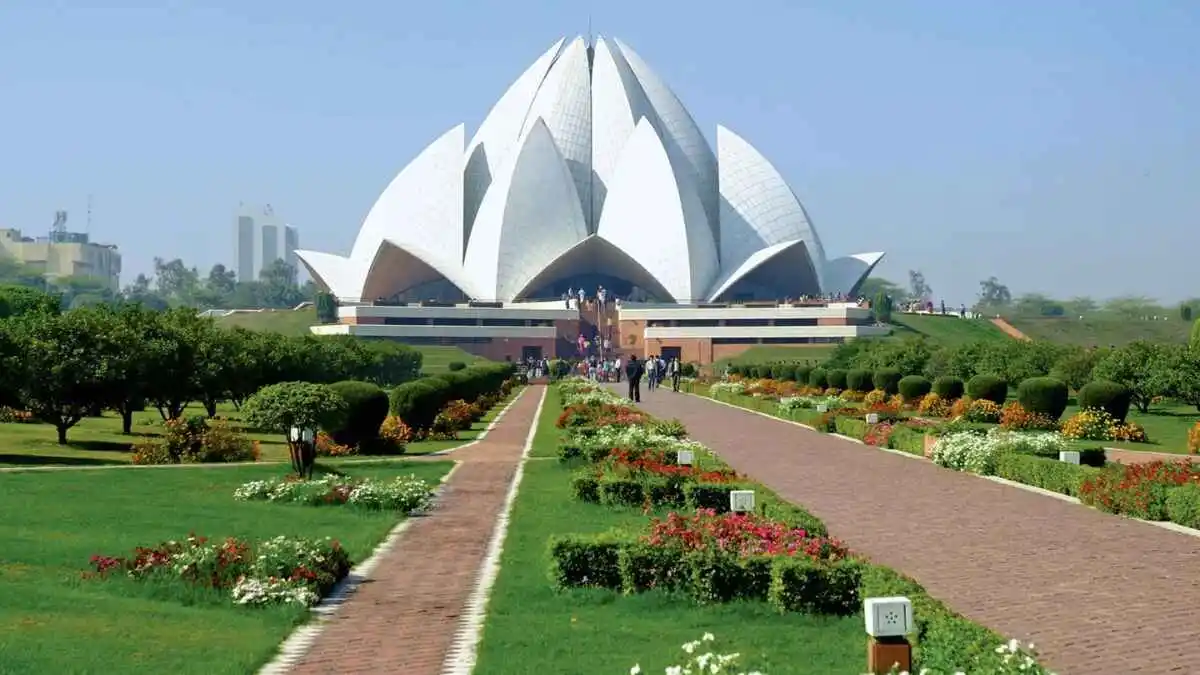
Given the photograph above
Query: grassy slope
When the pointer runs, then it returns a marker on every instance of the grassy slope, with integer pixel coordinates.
(98, 440)
(1102, 332)
(946, 330)
(532, 629)
(52, 621)
(292, 322)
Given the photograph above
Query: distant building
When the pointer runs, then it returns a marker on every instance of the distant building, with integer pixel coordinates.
(64, 254)
(261, 238)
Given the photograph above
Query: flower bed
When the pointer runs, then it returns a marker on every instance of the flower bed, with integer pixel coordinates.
(1093, 424)
(652, 478)
(979, 453)
(1139, 490)
(781, 554)
(405, 494)
(282, 570)
(196, 440)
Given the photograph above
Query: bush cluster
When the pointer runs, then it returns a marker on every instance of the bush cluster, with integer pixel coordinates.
(419, 402)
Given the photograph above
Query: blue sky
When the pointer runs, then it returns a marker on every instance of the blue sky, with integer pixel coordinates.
(1053, 144)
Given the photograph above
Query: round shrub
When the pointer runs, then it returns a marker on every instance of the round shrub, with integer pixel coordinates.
(858, 379)
(366, 408)
(949, 388)
(456, 365)
(913, 388)
(818, 377)
(1044, 395)
(1108, 396)
(802, 373)
(417, 403)
(988, 387)
(782, 371)
(887, 380)
(836, 378)
(688, 370)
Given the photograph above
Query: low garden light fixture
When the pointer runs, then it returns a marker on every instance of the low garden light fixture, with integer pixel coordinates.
(301, 443)
(889, 621)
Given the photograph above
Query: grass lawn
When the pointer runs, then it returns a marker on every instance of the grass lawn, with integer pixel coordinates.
(1102, 332)
(52, 621)
(532, 629)
(764, 353)
(949, 330)
(99, 441)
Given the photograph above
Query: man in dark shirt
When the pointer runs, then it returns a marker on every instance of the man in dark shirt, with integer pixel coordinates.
(633, 373)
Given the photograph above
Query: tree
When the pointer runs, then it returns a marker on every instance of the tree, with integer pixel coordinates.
(63, 365)
(296, 405)
(174, 281)
(1036, 304)
(917, 286)
(171, 351)
(17, 300)
(1075, 368)
(1185, 312)
(882, 306)
(278, 285)
(220, 280)
(1134, 307)
(993, 294)
(1143, 367)
(1186, 376)
(872, 286)
(326, 308)
(1194, 340)
(1078, 306)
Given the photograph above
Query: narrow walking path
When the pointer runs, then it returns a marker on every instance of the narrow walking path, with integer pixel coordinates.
(1011, 330)
(404, 618)
(1097, 593)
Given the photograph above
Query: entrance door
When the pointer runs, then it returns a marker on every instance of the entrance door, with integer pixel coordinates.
(669, 353)
(534, 353)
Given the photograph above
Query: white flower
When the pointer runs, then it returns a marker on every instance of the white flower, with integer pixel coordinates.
(635, 670)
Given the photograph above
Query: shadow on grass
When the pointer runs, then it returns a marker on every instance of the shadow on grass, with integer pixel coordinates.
(101, 446)
(45, 460)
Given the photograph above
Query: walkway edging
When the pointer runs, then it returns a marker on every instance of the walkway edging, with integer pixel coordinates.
(1164, 524)
(464, 650)
(297, 645)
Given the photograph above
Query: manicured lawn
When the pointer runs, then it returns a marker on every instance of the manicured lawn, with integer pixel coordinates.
(53, 621)
(98, 440)
(1102, 332)
(532, 629)
(946, 330)
(765, 353)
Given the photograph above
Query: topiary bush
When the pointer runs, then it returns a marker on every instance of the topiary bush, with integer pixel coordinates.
(818, 377)
(366, 408)
(836, 378)
(419, 402)
(887, 380)
(1108, 396)
(802, 373)
(988, 387)
(456, 365)
(949, 388)
(784, 372)
(1044, 396)
(858, 379)
(913, 388)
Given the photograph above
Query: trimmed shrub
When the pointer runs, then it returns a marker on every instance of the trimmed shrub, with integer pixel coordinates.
(580, 560)
(644, 567)
(716, 576)
(761, 372)
(988, 387)
(1044, 396)
(366, 407)
(622, 492)
(802, 373)
(784, 372)
(913, 388)
(858, 379)
(836, 378)
(818, 377)
(1108, 396)
(456, 365)
(419, 402)
(1183, 505)
(713, 496)
(1043, 472)
(949, 388)
(799, 584)
(887, 380)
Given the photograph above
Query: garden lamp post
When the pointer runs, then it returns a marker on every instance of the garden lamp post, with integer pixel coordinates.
(303, 450)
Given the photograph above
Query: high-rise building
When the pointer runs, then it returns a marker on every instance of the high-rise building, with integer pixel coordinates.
(261, 238)
(63, 253)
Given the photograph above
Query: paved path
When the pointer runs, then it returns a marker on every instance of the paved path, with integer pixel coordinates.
(404, 618)
(1096, 593)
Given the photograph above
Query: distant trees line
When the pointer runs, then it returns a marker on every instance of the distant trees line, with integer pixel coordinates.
(62, 366)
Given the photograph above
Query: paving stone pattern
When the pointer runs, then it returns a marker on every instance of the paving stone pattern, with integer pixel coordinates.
(1097, 593)
(404, 618)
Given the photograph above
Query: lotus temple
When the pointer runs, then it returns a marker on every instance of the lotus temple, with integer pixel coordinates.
(590, 173)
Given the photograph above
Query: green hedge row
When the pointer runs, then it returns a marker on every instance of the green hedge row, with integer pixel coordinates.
(418, 402)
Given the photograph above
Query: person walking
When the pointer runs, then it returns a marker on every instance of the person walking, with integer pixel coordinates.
(675, 371)
(617, 367)
(633, 373)
(649, 367)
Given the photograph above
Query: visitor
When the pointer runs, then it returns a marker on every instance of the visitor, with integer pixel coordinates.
(633, 373)
(674, 370)
(566, 298)
(582, 297)
(617, 367)
(651, 374)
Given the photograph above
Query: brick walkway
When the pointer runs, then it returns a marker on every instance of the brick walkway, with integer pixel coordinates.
(1096, 593)
(404, 618)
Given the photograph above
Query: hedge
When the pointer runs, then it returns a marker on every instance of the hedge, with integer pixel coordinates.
(836, 378)
(366, 407)
(1044, 395)
(913, 388)
(418, 402)
(1045, 473)
(888, 380)
(818, 377)
(949, 388)
(858, 379)
(1108, 396)
(988, 387)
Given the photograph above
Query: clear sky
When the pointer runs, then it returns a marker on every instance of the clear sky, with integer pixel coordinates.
(1054, 144)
